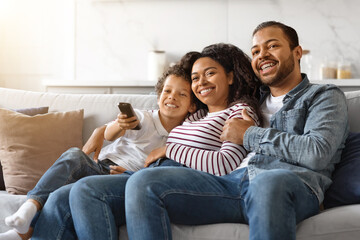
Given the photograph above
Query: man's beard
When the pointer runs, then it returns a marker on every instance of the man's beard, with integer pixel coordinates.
(288, 67)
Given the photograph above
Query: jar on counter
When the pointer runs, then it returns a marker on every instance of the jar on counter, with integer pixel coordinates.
(343, 70)
(156, 64)
(328, 70)
(306, 63)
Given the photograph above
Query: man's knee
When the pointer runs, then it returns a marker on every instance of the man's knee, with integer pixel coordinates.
(273, 185)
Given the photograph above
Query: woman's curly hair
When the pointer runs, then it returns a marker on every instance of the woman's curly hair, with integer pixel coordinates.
(245, 87)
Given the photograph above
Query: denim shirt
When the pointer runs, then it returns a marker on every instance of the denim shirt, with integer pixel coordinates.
(306, 135)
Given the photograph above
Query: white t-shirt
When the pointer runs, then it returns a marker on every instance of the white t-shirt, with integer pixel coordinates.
(131, 150)
(268, 108)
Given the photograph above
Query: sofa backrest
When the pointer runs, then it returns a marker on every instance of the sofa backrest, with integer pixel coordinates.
(102, 108)
(353, 102)
(98, 108)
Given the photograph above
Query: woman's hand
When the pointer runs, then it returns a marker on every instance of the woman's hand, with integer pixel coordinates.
(116, 170)
(95, 142)
(155, 155)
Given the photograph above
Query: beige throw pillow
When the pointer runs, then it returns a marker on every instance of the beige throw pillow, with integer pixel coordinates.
(29, 145)
(30, 112)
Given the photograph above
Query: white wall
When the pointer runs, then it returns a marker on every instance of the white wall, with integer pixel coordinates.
(36, 42)
(108, 40)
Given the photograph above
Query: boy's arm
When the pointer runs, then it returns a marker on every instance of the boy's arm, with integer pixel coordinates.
(95, 142)
(118, 127)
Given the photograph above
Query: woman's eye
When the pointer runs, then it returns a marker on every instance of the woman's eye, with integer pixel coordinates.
(210, 73)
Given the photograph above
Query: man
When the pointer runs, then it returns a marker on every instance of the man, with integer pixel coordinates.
(283, 179)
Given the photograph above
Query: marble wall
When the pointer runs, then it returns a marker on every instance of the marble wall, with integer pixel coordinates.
(114, 37)
(109, 40)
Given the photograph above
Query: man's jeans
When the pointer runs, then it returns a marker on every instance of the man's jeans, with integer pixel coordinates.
(272, 204)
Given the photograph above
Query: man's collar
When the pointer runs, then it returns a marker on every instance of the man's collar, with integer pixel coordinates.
(265, 90)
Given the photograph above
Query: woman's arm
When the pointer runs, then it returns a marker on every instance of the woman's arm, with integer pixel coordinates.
(217, 162)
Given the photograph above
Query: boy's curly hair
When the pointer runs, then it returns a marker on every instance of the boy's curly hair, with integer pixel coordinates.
(179, 71)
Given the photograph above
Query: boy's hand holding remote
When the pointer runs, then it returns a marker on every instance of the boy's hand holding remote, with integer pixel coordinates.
(125, 123)
(118, 127)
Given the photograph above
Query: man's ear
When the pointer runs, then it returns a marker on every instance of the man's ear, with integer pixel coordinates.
(230, 77)
(298, 52)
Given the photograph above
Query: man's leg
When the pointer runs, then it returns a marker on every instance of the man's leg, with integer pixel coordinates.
(155, 197)
(55, 221)
(276, 201)
(98, 206)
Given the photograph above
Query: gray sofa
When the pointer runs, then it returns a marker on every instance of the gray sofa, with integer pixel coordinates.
(336, 223)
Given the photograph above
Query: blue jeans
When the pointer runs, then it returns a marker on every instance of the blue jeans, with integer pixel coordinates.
(91, 208)
(272, 204)
(71, 166)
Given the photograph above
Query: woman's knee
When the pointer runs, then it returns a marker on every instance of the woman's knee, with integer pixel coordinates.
(59, 197)
(148, 183)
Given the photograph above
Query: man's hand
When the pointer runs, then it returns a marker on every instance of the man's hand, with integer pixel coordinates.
(235, 128)
(155, 155)
(95, 142)
(116, 170)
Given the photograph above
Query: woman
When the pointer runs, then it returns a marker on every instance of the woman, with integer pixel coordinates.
(222, 79)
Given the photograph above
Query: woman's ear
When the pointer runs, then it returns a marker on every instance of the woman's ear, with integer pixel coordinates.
(230, 77)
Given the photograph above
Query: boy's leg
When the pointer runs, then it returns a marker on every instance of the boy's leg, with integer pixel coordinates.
(71, 166)
(276, 201)
(98, 207)
(55, 219)
(157, 196)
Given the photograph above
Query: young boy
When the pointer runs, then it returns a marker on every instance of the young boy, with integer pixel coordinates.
(127, 152)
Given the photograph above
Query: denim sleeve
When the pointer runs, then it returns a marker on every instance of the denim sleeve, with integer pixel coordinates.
(312, 143)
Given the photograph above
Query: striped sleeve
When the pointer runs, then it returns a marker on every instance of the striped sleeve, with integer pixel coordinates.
(198, 146)
(218, 163)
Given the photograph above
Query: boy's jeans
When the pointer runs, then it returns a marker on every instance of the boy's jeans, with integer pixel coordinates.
(71, 166)
(91, 208)
(272, 204)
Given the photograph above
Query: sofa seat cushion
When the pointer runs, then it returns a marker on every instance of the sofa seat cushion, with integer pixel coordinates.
(332, 224)
(9, 204)
(29, 145)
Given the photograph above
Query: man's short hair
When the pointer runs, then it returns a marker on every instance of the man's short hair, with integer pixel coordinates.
(289, 32)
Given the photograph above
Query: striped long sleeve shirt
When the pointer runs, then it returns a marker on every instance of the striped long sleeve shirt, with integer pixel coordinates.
(196, 143)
